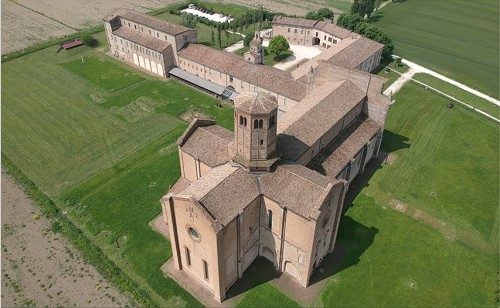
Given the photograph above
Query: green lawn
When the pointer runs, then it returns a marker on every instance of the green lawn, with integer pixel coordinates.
(459, 39)
(460, 94)
(54, 128)
(386, 70)
(102, 146)
(446, 164)
(269, 58)
(394, 261)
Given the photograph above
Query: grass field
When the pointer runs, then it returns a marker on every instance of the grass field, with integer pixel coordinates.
(76, 135)
(459, 38)
(386, 70)
(446, 164)
(460, 94)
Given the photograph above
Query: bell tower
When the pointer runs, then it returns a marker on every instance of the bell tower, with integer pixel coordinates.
(256, 52)
(255, 116)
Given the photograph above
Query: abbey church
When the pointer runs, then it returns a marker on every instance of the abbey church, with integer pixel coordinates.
(275, 185)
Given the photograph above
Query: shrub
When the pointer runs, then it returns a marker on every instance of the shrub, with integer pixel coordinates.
(89, 40)
(278, 45)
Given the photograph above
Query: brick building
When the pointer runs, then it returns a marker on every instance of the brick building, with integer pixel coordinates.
(275, 186)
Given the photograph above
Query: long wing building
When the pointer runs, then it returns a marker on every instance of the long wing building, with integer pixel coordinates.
(275, 186)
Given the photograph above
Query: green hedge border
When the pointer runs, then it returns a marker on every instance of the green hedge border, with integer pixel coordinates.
(91, 252)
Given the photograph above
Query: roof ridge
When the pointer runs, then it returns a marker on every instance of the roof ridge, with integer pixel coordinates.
(218, 184)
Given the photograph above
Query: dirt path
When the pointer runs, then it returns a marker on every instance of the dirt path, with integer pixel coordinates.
(415, 68)
(40, 267)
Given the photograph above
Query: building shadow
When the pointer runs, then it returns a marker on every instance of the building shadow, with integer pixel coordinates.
(260, 271)
(393, 141)
(353, 240)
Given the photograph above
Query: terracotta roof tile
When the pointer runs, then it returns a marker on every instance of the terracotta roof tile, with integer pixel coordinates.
(266, 77)
(141, 39)
(337, 155)
(148, 21)
(209, 144)
(299, 189)
(317, 119)
(255, 103)
(325, 26)
(224, 191)
(352, 55)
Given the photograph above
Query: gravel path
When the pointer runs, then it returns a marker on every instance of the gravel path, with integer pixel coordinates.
(40, 267)
(420, 69)
(415, 68)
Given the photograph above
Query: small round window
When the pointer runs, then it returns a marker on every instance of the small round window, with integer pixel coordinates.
(193, 234)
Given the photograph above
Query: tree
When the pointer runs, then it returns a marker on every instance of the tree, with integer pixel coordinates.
(278, 45)
(363, 7)
(325, 13)
(355, 22)
(349, 21)
(355, 7)
(213, 38)
(89, 40)
(248, 38)
(188, 20)
(321, 14)
(219, 36)
(369, 6)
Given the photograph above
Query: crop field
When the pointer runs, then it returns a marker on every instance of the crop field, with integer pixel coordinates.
(98, 137)
(458, 39)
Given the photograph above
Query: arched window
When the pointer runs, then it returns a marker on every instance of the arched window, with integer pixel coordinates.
(261, 143)
(241, 120)
(270, 219)
(256, 124)
(261, 124)
(245, 121)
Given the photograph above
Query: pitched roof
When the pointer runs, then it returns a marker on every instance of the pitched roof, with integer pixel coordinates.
(265, 77)
(255, 103)
(335, 157)
(179, 186)
(294, 21)
(148, 21)
(224, 191)
(297, 188)
(352, 55)
(141, 39)
(209, 144)
(325, 72)
(325, 26)
(304, 126)
(335, 30)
